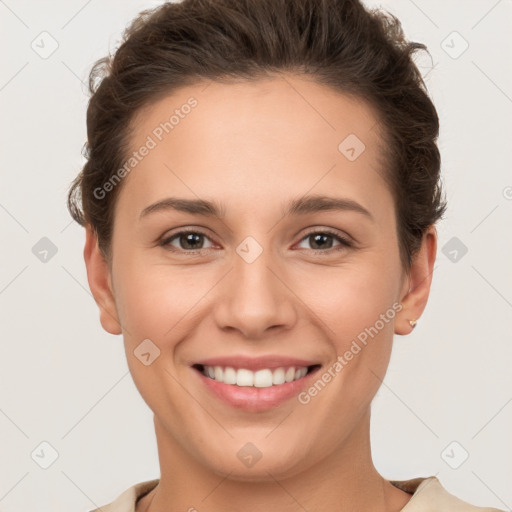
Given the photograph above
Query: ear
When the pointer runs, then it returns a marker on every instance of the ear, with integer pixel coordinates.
(416, 287)
(100, 282)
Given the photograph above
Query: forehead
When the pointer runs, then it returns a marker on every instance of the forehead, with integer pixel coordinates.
(298, 106)
(256, 138)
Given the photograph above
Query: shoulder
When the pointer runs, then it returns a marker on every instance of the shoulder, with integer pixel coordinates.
(126, 501)
(429, 495)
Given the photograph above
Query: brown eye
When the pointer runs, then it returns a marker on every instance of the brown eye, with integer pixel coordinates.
(325, 241)
(186, 241)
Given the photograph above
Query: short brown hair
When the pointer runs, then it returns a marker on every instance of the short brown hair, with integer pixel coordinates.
(339, 43)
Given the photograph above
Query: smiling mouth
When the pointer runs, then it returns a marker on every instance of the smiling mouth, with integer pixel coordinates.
(263, 378)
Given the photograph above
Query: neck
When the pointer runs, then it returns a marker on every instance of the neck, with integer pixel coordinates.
(345, 480)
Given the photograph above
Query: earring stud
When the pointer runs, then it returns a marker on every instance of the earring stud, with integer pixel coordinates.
(413, 323)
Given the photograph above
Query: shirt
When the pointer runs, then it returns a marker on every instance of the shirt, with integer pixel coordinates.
(428, 495)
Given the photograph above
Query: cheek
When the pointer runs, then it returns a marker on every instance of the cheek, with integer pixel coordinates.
(159, 304)
(350, 300)
(156, 301)
(357, 307)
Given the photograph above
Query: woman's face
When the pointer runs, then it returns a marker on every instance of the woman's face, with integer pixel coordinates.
(271, 280)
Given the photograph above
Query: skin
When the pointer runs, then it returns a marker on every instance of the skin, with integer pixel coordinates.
(253, 147)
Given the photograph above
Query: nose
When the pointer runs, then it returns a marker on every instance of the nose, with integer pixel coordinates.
(254, 299)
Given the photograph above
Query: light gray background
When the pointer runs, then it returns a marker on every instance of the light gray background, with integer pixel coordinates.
(65, 381)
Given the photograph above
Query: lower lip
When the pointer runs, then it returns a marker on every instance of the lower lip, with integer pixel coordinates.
(254, 399)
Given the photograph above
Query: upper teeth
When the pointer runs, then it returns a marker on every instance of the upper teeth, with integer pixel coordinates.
(259, 379)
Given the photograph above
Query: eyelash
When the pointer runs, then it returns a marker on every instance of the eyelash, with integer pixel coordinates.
(344, 242)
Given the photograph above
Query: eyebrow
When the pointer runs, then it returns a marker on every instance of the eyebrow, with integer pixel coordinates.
(299, 206)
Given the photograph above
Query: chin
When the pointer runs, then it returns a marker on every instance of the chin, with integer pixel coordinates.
(266, 469)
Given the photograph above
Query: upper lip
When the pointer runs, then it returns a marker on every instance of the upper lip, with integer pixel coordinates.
(256, 363)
